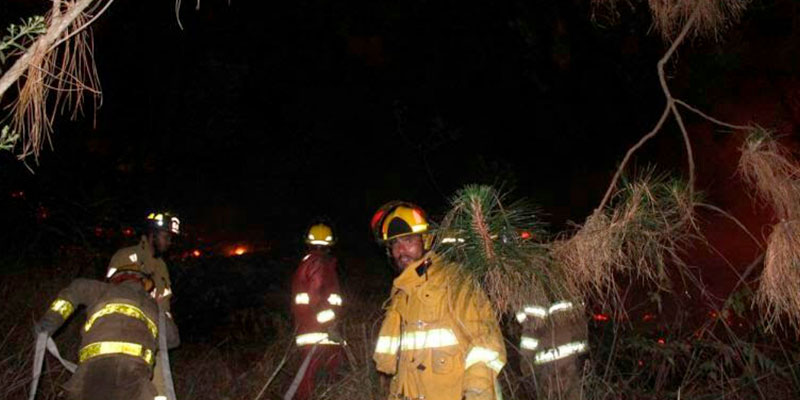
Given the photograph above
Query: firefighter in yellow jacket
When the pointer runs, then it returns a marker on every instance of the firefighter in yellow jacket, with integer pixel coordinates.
(148, 256)
(149, 253)
(439, 337)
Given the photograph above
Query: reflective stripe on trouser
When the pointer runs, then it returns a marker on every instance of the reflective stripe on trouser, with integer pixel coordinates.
(311, 338)
(105, 348)
(123, 309)
(560, 352)
(558, 372)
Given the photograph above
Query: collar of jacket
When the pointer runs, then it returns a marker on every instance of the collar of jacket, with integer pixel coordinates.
(315, 251)
(410, 278)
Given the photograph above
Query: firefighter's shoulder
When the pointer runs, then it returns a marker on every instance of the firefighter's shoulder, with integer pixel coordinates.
(126, 256)
(317, 257)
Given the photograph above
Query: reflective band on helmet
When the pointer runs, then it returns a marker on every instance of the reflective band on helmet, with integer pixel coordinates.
(563, 351)
(430, 339)
(528, 343)
(313, 338)
(483, 355)
(325, 316)
(102, 348)
(124, 309)
(302, 298)
(63, 307)
(419, 228)
(320, 242)
(334, 299)
(388, 345)
(175, 225)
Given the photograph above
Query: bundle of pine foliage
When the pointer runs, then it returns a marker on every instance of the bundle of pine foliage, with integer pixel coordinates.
(500, 244)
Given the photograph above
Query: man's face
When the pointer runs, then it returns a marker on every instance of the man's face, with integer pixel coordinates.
(405, 250)
(162, 240)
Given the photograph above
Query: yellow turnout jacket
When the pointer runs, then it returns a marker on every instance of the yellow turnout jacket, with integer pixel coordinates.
(439, 337)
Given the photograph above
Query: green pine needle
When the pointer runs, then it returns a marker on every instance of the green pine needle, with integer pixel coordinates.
(497, 243)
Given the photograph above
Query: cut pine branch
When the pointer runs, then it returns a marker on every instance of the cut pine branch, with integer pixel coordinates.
(497, 243)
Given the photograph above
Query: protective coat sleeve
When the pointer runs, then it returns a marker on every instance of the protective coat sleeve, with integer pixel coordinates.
(486, 354)
(79, 292)
(388, 344)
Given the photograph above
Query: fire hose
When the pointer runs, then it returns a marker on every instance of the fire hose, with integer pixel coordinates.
(44, 341)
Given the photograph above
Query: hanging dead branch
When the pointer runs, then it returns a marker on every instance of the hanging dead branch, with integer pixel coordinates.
(770, 169)
(670, 16)
(671, 107)
(639, 235)
(61, 61)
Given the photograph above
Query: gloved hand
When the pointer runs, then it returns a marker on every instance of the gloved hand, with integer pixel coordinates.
(45, 325)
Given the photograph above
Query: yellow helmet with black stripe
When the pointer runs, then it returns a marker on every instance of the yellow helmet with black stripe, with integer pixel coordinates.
(397, 219)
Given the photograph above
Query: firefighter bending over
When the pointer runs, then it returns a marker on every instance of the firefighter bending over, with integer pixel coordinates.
(119, 338)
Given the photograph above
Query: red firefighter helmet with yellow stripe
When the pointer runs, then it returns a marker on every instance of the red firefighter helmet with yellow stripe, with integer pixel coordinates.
(399, 218)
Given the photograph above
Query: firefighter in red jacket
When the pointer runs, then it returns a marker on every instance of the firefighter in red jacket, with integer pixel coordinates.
(316, 303)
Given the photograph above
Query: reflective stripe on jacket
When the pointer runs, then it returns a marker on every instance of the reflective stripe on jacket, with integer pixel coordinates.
(115, 313)
(316, 299)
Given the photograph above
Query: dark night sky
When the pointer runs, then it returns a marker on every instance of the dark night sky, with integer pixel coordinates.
(261, 115)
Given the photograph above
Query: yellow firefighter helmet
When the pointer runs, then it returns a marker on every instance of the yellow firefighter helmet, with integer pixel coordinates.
(320, 234)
